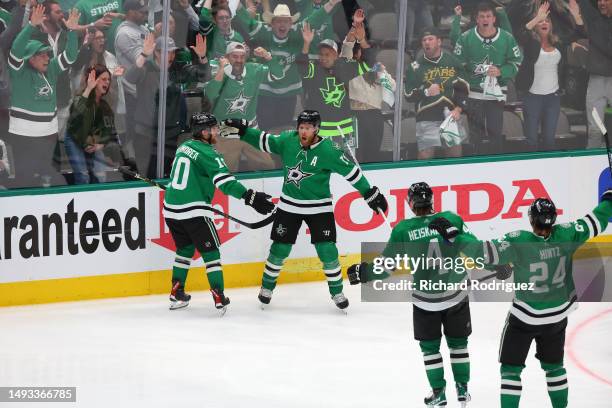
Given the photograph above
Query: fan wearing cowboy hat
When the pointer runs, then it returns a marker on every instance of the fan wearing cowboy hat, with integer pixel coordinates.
(281, 34)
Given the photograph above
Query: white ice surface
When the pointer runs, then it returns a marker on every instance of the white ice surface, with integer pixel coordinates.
(299, 352)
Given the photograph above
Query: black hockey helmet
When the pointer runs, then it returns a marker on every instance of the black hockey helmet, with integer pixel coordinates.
(542, 213)
(201, 121)
(420, 195)
(309, 116)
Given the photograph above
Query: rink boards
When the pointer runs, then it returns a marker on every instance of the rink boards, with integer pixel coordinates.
(74, 243)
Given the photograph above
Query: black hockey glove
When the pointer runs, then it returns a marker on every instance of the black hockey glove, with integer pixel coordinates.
(259, 201)
(233, 127)
(357, 273)
(607, 195)
(502, 272)
(444, 228)
(376, 200)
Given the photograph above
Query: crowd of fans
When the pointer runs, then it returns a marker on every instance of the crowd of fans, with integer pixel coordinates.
(80, 80)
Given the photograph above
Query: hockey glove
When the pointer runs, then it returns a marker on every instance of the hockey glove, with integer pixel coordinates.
(259, 201)
(444, 228)
(502, 272)
(607, 195)
(376, 200)
(233, 127)
(357, 273)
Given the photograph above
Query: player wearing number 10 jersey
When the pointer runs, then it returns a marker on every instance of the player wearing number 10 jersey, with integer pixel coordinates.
(542, 257)
(196, 171)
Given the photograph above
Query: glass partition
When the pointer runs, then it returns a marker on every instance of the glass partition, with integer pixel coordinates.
(511, 79)
(404, 80)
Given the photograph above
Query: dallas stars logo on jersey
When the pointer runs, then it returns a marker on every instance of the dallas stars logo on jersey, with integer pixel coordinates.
(238, 104)
(334, 94)
(482, 68)
(295, 175)
(44, 92)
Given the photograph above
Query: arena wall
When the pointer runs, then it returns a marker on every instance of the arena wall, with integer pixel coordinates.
(87, 242)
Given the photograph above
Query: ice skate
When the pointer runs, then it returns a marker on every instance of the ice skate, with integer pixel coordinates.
(436, 399)
(463, 396)
(178, 298)
(221, 301)
(341, 302)
(265, 296)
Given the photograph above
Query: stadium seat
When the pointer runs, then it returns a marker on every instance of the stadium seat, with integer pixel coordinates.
(514, 137)
(384, 28)
(388, 57)
(408, 139)
(565, 139)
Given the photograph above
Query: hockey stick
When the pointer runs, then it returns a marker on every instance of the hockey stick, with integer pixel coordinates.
(381, 212)
(487, 277)
(252, 225)
(604, 132)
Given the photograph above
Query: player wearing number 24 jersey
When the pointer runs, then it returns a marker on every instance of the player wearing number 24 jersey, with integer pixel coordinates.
(196, 171)
(542, 257)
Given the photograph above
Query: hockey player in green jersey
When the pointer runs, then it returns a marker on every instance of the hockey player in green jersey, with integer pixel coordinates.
(308, 162)
(432, 309)
(196, 171)
(541, 257)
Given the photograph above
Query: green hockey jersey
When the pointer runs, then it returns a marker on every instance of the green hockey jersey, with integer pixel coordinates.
(216, 42)
(237, 97)
(286, 50)
(307, 171)
(445, 71)
(545, 263)
(478, 54)
(33, 110)
(197, 169)
(438, 261)
(93, 10)
(502, 22)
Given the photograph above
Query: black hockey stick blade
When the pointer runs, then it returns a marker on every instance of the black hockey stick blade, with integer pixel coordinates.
(129, 172)
(251, 225)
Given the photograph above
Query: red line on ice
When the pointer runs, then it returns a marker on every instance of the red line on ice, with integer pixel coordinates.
(572, 355)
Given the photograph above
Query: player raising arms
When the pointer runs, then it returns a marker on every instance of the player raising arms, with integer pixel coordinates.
(308, 160)
(196, 171)
(542, 256)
